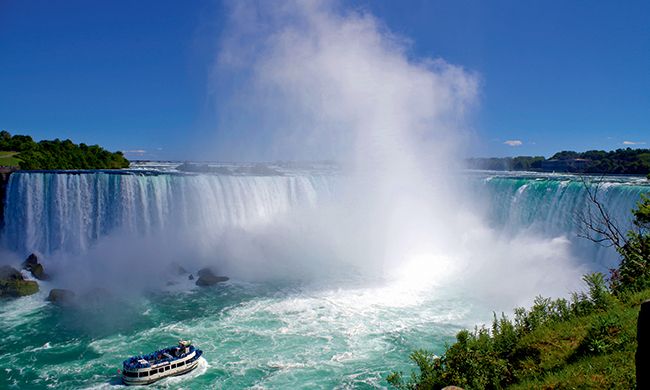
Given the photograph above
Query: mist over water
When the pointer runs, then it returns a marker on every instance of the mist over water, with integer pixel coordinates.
(336, 275)
(335, 83)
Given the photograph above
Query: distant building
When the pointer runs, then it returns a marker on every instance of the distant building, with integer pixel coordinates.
(567, 165)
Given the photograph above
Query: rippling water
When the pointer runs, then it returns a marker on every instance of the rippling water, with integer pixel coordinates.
(325, 333)
(252, 335)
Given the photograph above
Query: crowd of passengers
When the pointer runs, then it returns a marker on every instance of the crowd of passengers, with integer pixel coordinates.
(157, 357)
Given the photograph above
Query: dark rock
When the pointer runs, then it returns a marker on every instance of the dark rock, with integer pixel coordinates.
(10, 273)
(191, 277)
(38, 272)
(61, 296)
(32, 265)
(208, 278)
(643, 347)
(12, 283)
(30, 261)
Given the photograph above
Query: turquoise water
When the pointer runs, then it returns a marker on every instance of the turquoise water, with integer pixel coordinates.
(260, 336)
(323, 331)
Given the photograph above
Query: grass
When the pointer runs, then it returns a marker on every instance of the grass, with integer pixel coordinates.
(587, 349)
(565, 365)
(8, 159)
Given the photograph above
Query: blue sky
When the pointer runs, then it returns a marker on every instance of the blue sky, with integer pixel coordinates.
(554, 75)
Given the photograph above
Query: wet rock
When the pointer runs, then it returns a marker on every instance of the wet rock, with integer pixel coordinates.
(61, 296)
(30, 261)
(32, 265)
(12, 283)
(208, 278)
(10, 273)
(191, 277)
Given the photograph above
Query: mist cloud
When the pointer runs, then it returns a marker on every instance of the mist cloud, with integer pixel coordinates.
(316, 81)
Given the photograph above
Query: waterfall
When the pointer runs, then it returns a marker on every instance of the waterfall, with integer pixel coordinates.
(48, 212)
(551, 205)
(67, 212)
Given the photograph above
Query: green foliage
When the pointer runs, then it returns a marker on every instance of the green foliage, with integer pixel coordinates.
(17, 288)
(586, 342)
(8, 159)
(633, 274)
(604, 336)
(505, 354)
(59, 154)
(621, 161)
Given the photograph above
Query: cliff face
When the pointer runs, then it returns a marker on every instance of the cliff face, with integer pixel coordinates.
(4, 181)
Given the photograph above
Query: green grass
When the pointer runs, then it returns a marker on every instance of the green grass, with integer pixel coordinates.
(8, 159)
(564, 365)
(592, 350)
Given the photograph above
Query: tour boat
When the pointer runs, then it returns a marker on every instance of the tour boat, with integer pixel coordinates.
(172, 361)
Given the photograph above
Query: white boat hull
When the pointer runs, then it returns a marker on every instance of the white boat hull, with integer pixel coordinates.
(148, 375)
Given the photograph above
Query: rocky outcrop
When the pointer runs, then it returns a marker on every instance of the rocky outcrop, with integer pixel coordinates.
(643, 347)
(208, 278)
(32, 265)
(12, 283)
(5, 172)
(61, 296)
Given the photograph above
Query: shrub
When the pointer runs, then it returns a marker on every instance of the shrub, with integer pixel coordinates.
(604, 335)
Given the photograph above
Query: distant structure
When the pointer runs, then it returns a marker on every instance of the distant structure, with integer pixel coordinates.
(565, 165)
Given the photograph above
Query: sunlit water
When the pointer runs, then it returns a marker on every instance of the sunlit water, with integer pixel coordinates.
(347, 333)
(265, 336)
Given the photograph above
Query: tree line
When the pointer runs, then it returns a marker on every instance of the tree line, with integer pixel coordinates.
(620, 161)
(57, 154)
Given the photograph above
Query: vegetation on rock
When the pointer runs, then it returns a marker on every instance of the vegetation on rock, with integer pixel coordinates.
(23, 151)
(12, 283)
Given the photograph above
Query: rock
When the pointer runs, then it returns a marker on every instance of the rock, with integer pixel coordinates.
(32, 265)
(61, 296)
(38, 272)
(642, 356)
(30, 261)
(208, 278)
(12, 283)
(191, 277)
(10, 273)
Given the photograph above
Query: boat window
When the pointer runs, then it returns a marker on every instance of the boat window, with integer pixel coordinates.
(130, 374)
(167, 368)
(144, 373)
(181, 363)
(173, 366)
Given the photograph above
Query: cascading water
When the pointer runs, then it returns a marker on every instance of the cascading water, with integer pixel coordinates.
(50, 212)
(551, 205)
(68, 212)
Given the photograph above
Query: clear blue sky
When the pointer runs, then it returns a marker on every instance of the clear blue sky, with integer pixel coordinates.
(133, 75)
